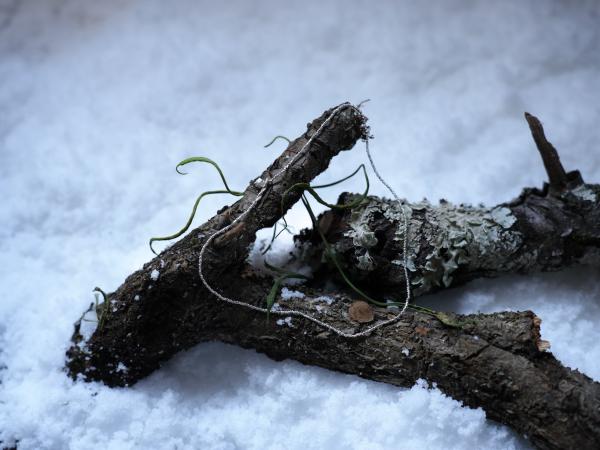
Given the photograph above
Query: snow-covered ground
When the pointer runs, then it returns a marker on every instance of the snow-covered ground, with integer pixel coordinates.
(99, 100)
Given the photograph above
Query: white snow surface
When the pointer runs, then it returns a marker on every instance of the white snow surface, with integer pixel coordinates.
(100, 100)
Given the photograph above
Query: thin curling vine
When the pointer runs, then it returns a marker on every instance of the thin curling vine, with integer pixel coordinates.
(227, 190)
(278, 137)
(304, 187)
(330, 253)
(283, 275)
(274, 237)
(101, 309)
(312, 190)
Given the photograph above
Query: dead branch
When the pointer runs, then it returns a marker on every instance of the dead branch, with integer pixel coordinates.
(495, 361)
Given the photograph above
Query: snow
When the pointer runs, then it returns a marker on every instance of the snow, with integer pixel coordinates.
(287, 321)
(286, 294)
(325, 298)
(154, 274)
(100, 100)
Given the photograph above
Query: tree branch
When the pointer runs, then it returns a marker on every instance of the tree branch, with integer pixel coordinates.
(495, 361)
(557, 176)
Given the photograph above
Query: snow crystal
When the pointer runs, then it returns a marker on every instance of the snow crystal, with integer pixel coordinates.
(287, 294)
(287, 321)
(154, 274)
(325, 298)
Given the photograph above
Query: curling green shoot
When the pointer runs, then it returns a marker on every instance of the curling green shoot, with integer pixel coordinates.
(277, 283)
(278, 137)
(227, 190)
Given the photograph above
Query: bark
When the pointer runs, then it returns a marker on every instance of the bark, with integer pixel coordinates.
(495, 361)
(448, 245)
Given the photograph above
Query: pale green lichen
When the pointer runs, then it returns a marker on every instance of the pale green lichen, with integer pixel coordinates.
(361, 234)
(503, 216)
(584, 193)
(363, 238)
(365, 262)
(398, 213)
(452, 237)
(475, 238)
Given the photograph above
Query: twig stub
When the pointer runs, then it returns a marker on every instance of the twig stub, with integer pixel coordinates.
(557, 176)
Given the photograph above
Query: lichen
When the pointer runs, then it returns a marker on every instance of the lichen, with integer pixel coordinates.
(503, 216)
(365, 262)
(398, 213)
(466, 236)
(363, 238)
(361, 234)
(441, 239)
(584, 193)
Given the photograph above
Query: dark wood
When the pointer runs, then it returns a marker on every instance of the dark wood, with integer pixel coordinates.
(495, 361)
(556, 173)
(142, 333)
(541, 230)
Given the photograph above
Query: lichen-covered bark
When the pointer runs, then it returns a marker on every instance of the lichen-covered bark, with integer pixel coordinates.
(452, 244)
(495, 361)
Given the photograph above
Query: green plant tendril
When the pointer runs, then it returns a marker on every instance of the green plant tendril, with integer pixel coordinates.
(227, 190)
(283, 275)
(330, 253)
(191, 218)
(275, 236)
(311, 189)
(278, 137)
(208, 161)
(103, 307)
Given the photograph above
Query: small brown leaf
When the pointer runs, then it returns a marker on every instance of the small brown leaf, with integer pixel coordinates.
(361, 312)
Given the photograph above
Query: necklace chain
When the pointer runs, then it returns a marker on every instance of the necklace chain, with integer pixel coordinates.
(293, 312)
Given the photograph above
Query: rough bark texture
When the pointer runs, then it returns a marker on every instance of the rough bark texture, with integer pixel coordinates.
(495, 361)
(150, 320)
(449, 245)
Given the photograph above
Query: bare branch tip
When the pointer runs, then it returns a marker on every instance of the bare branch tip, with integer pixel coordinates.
(557, 175)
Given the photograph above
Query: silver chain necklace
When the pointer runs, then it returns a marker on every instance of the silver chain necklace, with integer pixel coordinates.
(293, 312)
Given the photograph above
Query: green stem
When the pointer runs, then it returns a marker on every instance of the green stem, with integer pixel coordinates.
(189, 222)
(278, 137)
